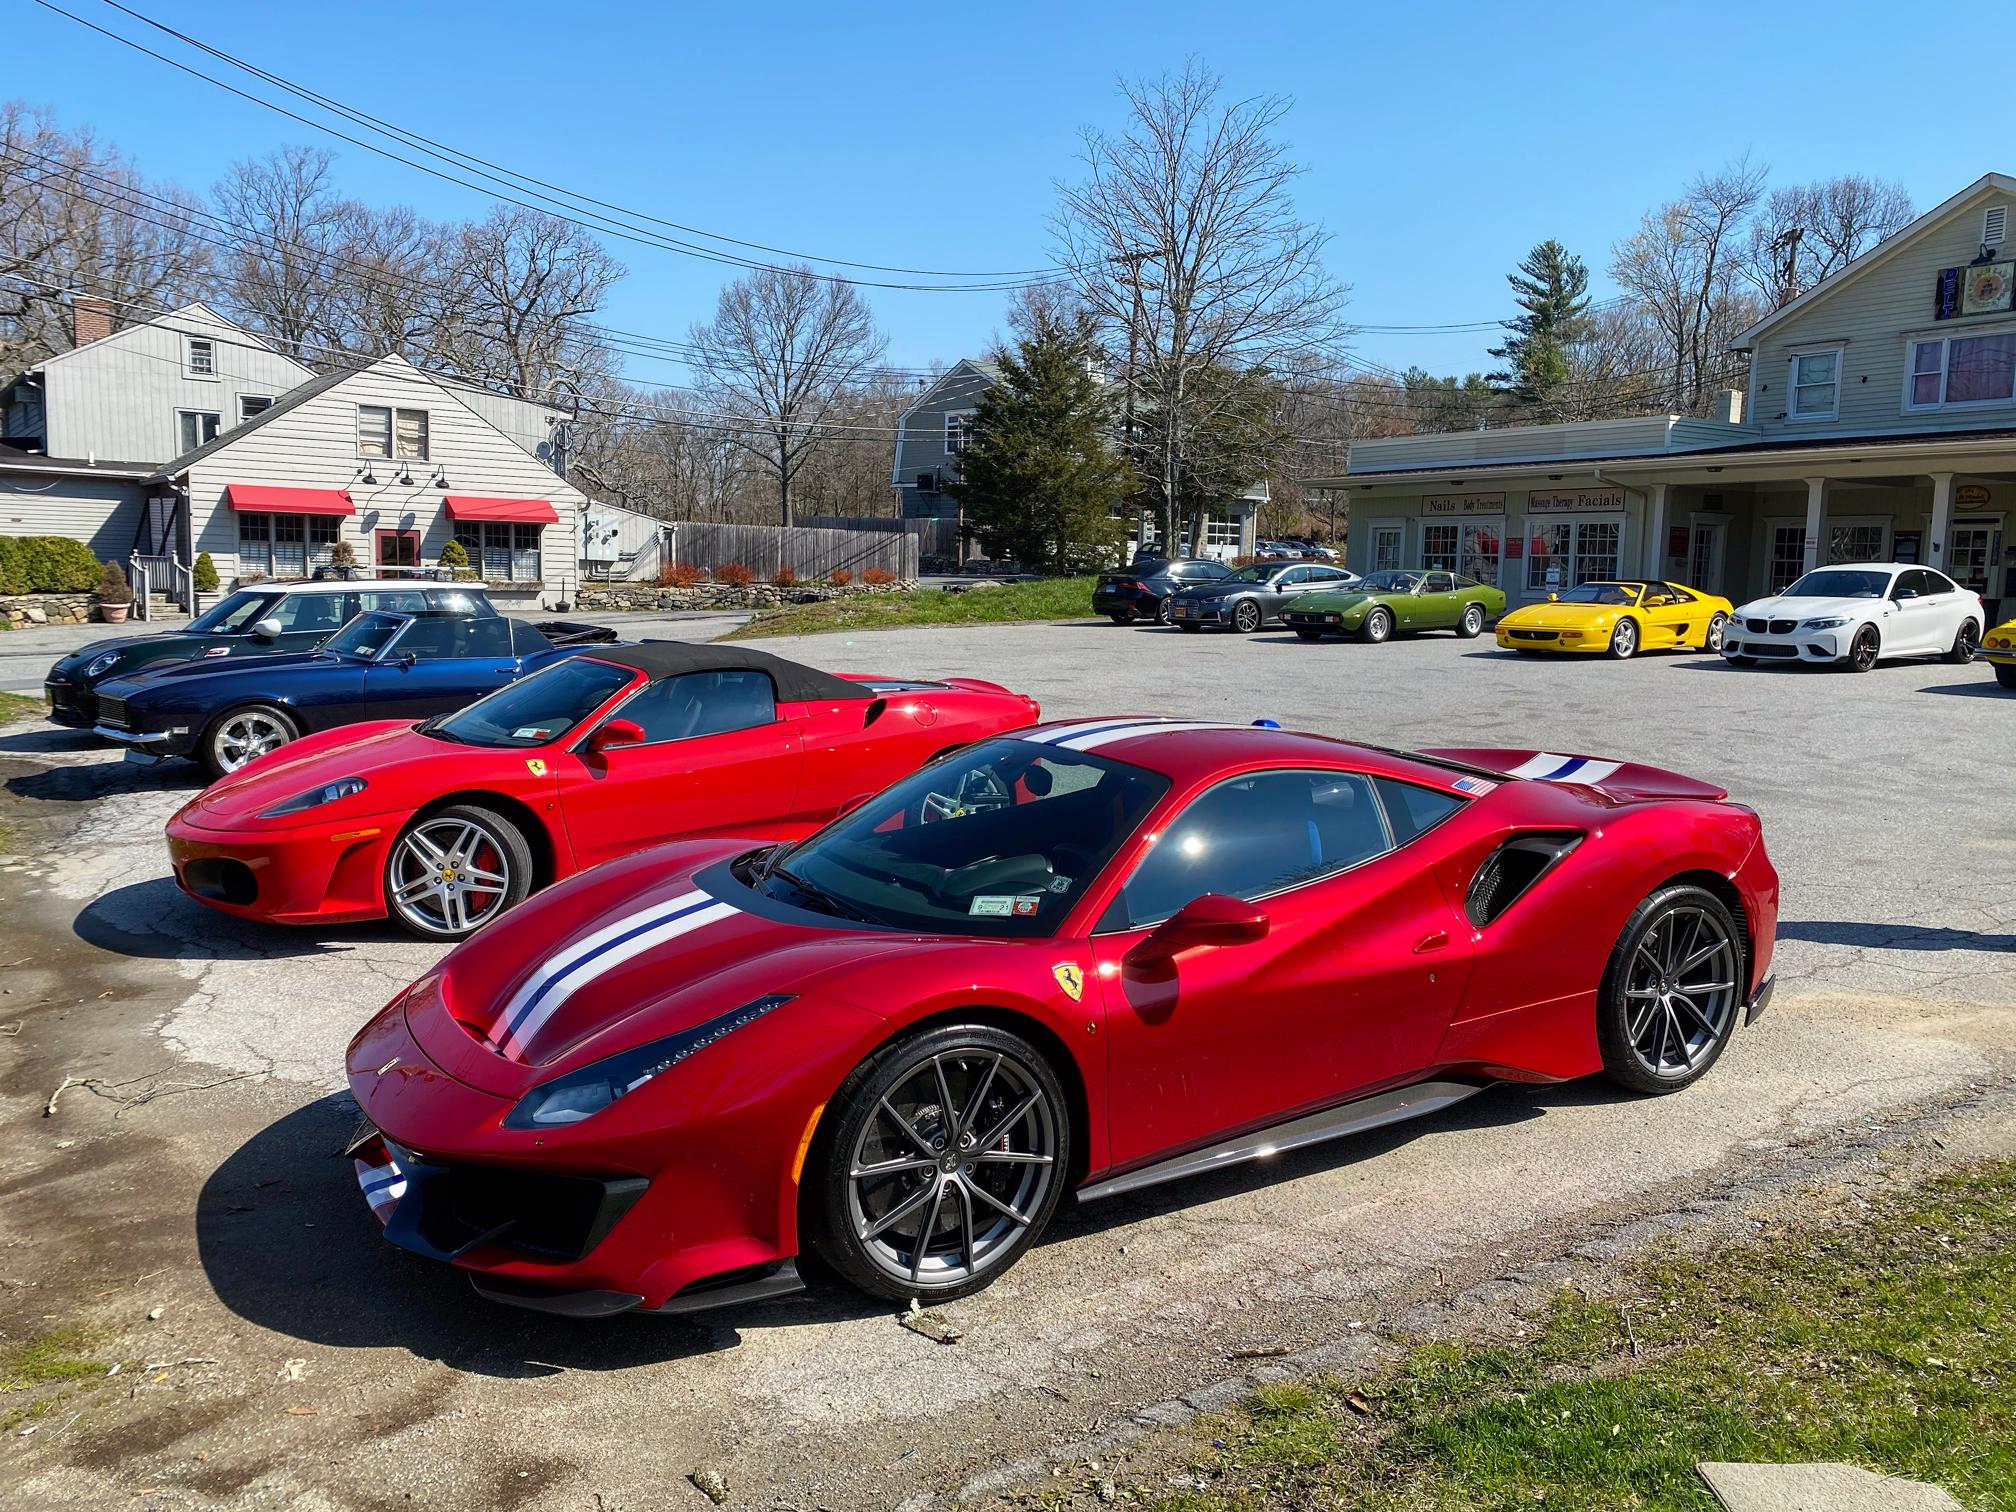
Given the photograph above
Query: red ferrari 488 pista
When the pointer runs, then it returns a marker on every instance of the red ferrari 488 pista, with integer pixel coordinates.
(1080, 958)
(446, 823)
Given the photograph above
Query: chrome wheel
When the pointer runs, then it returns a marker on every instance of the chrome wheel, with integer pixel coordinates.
(1712, 641)
(1624, 639)
(1378, 625)
(954, 1163)
(247, 735)
(1680, 992)
(1473, 622)
(448, 876)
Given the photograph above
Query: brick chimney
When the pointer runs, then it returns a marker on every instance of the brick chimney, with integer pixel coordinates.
(90, 318)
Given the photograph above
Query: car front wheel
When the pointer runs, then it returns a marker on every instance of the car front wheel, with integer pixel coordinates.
(243, 735)
(450, 873)
(1246, 617)
(1863, 650)
(1671, 991)
(940, 1161)
(1377, 627)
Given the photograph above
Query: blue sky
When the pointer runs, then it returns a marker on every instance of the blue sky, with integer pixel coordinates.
(1440, 141)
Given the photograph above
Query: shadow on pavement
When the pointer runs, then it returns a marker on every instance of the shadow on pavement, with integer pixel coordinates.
(156, 920)
(288, 1244)
(1989, 689)
(106, 779)
(1892, 936)
(50, 740)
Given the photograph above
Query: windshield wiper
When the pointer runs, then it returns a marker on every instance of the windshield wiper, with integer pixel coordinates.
(824, 902)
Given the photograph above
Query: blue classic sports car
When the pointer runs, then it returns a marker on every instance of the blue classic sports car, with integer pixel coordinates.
(378, 666)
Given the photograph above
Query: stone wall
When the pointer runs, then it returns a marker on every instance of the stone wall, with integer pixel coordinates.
(703, 596)
(48, 608)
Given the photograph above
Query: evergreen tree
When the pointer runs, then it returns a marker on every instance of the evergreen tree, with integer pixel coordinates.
(1552, 288)
(1040, 473)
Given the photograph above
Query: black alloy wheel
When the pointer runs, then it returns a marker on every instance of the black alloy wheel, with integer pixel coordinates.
(1672, 991)
(1966, 641)
(1864, 650)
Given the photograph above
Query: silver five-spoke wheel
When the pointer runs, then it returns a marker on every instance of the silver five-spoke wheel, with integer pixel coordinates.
(451, 874)
(244, 735)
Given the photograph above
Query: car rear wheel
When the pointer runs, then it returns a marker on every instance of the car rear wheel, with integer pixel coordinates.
(238, 736)
(1966, 641)
(940, 1160)
(1711, 640)
(1377, 627)
(1864, 650)
(1671, 991)
(1246, 617)
(1623, 640)
(450, 873)
(1472, 624)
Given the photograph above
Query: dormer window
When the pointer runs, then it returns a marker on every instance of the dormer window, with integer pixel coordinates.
(201, 357)
(1816, 385)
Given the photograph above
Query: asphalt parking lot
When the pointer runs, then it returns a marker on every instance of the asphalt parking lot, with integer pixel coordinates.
(1884, 807)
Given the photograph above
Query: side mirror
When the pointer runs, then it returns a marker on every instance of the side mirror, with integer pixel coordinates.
(845, 809)
(613, 733)
(1553, 598)
(1902, 594)
(265, 630)
(1213, 919)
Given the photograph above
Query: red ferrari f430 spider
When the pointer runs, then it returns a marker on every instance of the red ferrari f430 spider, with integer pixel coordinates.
(1081, 958)
(446, 823)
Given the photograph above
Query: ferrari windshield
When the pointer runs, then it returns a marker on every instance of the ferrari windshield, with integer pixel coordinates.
(1000, 839)
(1389, 582)
(540, 709)
(1600, 593)
(366, 635)
(234, 613)
(1841, 582)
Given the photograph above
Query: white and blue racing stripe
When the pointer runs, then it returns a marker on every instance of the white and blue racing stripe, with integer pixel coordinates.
(1091, 740)
(566, 971)
(1545, 766)
(382, 1185)
(1071, 731)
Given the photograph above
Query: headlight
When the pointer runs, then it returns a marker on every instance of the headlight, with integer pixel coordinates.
(580, 1094)
(1833, 623)
(99, 665)
(329, 792)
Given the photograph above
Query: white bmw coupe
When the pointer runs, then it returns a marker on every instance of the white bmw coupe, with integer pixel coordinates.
(1850, 615)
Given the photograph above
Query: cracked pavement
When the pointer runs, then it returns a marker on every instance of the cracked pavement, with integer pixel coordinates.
(1897, 986)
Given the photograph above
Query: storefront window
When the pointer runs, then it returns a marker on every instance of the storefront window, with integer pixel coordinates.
(285, 545)
(1562, 553)
(502, 551)
(1481, 544)
(1596, 549)
(1547, 557)
(1854, 543)
(1386, 548)
(1439, 546)
(1788, 555)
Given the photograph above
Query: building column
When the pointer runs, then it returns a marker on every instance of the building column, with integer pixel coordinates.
(1816, 519)
(1942, 519)
(1655, 531)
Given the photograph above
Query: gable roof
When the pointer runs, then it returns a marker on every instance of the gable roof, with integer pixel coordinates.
(195, 307)
(293, 399)
(1882, 252)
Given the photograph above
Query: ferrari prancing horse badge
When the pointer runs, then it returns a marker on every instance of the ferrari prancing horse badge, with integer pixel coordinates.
(1070, 978)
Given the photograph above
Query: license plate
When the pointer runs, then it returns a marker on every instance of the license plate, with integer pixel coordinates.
(142, 758)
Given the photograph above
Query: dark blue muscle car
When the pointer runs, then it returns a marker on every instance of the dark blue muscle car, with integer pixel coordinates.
(378, 666)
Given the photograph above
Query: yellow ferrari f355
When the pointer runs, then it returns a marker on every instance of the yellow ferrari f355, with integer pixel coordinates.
(1618, 619)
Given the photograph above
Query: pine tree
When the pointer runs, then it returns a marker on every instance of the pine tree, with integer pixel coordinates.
(1552, 287)
(1040, 474)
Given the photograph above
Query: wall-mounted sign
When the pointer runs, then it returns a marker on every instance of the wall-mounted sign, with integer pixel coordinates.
(1946, 294)
(1677, 541)
(1575, 501)
(1971, 493)
(1986, 287)
(1515, 547)
(1904, 545)
(1463, 504)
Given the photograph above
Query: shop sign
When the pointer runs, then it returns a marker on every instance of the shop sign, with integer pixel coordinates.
(1575, 501)
(1463, 504)
(1971, 493)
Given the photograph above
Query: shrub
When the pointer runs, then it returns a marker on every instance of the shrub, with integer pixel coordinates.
(452, 555)
(679, 575)
(878, 577)
(787, 576)
(839, 577)
(46, 564)
(112, 586)
(734, 574)
(10, 566)
(342, 554)
(205, 573)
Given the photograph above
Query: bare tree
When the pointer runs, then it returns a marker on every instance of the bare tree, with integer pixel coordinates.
(516, 289)
(1805, 232)
(291, 232)
(1684, 265)
(386, 295)
(1183, 242)
(781, 354)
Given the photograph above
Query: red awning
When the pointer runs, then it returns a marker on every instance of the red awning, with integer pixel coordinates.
(268, 500)
(526, 511)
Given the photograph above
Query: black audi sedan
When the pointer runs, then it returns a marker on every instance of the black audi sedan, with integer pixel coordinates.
(1245, 600)
(1143, 591)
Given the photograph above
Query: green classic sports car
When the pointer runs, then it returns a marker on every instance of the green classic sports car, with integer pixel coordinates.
(1387, 603)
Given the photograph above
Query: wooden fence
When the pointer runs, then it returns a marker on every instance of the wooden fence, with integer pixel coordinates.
(811, 552)
(935, 535)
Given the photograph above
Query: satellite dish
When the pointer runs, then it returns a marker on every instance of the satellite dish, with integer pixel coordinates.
(544, 451)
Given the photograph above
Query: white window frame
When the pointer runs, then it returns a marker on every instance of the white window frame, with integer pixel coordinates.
(1771, 528)
(1837, 350)
(391, 426)
(201, 439)
(426, 435)
(190, 344)
(1375, 529)
(264, 401)
(1881, 524)
(958, 428)
(1914, 339)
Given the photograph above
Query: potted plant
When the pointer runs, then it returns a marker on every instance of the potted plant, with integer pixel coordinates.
(343, 560)
(115, 595)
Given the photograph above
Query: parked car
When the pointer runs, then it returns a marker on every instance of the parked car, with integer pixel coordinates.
(674, 1075)
(446, 823)
(1999, 645)
(264, 620)
(1246, 599)
(1384, 604)
(1143, 591)
(1849, 616)
(1618, 619)
(381, 665)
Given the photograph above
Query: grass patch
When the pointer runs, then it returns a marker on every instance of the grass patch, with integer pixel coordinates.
(50, 1357)
(20, 706)
(1042, 599)
(1888, 1340)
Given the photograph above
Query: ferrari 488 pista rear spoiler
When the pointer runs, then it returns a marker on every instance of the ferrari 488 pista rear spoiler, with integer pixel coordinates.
(1623, 780)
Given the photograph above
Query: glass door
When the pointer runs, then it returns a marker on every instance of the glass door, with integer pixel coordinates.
(1972, 553)
(1386, 548)
(1704, 556)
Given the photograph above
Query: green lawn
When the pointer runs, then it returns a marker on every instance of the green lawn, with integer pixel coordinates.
(1044, 599)
(15, 706)
(1887, 1340)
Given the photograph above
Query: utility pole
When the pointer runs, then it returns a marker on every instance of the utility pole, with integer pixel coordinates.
(1133, 260)
(1786, 243)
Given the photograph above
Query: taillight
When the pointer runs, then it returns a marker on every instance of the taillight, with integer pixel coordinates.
(1138, 586)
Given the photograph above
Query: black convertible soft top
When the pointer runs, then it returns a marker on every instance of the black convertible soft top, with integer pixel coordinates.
(794, 683)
